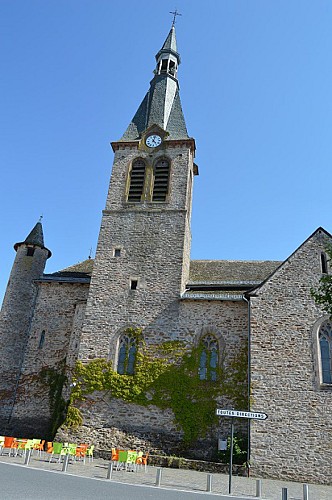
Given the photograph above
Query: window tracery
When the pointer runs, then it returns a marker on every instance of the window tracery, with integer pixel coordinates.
(127, 354)
(209, 356)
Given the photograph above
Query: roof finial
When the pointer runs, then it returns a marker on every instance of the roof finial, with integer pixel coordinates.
(175, 13)
(90, 253)
(40, 218)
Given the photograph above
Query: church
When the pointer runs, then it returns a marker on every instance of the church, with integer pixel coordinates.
(141, 345)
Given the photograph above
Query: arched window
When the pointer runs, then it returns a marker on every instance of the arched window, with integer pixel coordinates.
(325, 347)
(127, 354)
(208, 359)
(161, 176)
(137, 178)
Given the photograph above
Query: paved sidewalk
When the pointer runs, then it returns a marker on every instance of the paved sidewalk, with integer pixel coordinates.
(188, 480)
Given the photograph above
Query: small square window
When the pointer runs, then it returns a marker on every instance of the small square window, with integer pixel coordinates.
(30, 251)
(133, 284)
(117, 252)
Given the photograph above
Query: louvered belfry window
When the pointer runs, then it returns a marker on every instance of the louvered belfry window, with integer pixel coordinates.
(137, 177)
(161, 179)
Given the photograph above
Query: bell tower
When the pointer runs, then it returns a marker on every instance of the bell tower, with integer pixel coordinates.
(143, 254)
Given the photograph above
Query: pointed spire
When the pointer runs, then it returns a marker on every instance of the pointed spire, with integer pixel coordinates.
(170, 43)
(35, 238)
(168, 58)
(161, 106)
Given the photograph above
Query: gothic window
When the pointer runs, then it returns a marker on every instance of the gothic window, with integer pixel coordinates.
(137, 178)
(127, 354)
(325, 347)
(161, 176)
(208, 359)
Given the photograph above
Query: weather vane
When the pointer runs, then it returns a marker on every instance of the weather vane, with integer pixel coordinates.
(175, 13)
(40, 218)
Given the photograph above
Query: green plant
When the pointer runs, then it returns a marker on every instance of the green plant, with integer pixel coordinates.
(323, 294)
(239, 451)
(55, 379)
(166, 375)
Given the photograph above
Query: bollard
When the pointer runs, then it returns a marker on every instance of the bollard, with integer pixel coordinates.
(110, 471)
(305, 492)
(258, 488)
(158, 476)
(65, 463)
(284, 494)
(27, 457)
(209, 483)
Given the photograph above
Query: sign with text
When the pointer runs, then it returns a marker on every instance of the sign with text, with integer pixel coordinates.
(241, 414)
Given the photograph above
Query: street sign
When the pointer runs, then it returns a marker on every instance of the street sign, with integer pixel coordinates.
(237, 414)
(241, 414)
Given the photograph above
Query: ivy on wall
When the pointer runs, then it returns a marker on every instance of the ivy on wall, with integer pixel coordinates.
(55, 379)
(166, 375)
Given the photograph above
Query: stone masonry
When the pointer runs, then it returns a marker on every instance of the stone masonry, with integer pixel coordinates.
(295, 440)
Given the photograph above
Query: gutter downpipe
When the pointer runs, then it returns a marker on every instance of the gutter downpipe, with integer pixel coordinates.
(249, 378)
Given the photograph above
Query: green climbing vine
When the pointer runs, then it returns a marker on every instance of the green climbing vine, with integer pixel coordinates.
(55, 379)
(323, 293)
(166, 375)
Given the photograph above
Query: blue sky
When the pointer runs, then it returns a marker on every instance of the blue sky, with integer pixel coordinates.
(256, 89)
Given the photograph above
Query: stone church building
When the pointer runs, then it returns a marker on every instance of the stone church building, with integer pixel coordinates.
(141, 345)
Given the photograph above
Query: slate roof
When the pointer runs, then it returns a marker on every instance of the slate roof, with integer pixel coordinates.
(161, 105)
(35, 237)
(208, 279)
(86, 267)
(170, 42)
(78, 273)
(231, 271)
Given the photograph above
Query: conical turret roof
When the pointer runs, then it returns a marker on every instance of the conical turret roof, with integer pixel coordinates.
(161, 105)
(35, 238)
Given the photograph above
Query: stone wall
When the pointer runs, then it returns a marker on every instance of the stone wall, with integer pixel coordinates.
(295, 441)
(108, 422)
(15, 319)
(59, 314)
(154, 244)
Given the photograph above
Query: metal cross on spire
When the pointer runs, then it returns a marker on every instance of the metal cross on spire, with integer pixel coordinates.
(175, 13)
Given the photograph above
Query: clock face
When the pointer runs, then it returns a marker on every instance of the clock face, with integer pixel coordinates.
(153, 141)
